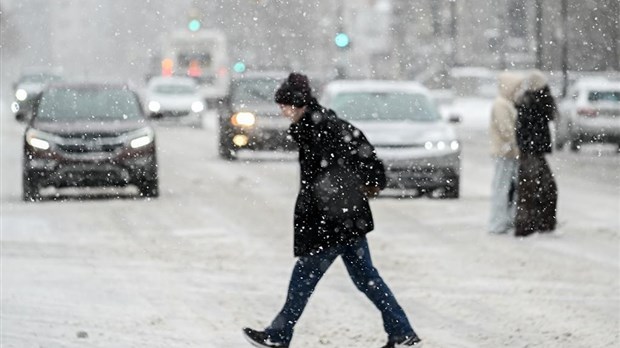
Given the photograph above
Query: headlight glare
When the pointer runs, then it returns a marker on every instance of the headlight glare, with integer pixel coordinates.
(246, 119)
(141, 141)
(36, 140)
(442, 145)
(198, 106)
(154, 106)
(454, 145)
(21, 94)
(142, 138)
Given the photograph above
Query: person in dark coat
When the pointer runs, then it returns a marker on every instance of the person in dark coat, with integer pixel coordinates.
(339, 171)
(537, 190)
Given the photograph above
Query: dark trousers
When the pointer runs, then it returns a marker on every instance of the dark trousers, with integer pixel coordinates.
(309, 270)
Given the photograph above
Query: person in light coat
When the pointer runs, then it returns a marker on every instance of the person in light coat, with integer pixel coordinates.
(505, 154)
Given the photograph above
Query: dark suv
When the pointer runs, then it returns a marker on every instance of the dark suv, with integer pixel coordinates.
(251, 119)
(88, 135)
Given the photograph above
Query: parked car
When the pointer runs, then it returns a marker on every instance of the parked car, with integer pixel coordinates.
(29, 84)
(251, 120)
(420, 150)
(175, 97)
(88, 135)
(589, 113)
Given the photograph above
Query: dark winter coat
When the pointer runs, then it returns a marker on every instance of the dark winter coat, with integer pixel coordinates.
(335, 160)
(535, 110)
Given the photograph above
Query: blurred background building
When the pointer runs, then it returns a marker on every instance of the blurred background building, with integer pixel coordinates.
(386, 38)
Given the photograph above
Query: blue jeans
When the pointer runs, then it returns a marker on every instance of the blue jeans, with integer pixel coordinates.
(503, 206)
(309, 270)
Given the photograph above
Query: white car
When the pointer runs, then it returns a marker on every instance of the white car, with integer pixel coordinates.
(419, 148)
(174, 97)
(589, 113)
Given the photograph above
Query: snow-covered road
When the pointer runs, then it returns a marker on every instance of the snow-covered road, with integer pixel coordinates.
(214, 253)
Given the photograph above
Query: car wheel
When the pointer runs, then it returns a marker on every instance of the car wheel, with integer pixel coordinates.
(452, 191)
(559, 145)
(149, 188)
(30, 187)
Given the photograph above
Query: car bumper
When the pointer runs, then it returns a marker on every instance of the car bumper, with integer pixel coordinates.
(91, 169)
(263, 138)
(425, 172)
(598, 129)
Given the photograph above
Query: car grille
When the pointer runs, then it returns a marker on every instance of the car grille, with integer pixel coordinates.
(89, 147)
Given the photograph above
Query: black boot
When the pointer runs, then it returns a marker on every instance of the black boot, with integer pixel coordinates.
(407, 341)
(261, 339)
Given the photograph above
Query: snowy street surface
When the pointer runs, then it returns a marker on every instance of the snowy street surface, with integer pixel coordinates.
(214, 254)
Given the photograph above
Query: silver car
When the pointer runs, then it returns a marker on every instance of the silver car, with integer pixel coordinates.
(174, 97)
(589, 113)
(420, 150)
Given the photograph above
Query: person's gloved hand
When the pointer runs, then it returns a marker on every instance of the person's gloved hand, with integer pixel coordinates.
(371, 191)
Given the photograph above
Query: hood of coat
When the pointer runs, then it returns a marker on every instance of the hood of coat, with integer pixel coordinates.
(509, 85)
(536, 80)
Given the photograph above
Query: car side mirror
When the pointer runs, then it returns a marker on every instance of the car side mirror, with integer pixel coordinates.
(454, 118)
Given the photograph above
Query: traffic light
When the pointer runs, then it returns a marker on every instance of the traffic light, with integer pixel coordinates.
(239, 67)
(342, 40)
(194, 25)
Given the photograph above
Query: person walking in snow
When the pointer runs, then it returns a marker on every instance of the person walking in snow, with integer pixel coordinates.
(339, 171)
(537, 191)
(505, 154)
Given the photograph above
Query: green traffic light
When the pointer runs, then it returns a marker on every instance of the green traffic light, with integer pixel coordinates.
(194, 25)
(239, 67)
(342, 40)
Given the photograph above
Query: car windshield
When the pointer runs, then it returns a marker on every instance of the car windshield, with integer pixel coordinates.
(604, 96)
(175, 89)
(81, 104)
(254, 91)
(389, 106)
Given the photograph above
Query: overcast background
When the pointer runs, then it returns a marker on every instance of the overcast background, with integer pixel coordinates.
(396, 39)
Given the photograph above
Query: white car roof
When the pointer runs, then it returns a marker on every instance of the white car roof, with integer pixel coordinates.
(597, 84)
(340, 86)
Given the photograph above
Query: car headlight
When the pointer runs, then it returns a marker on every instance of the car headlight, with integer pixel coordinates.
(198, 106)
(141, 138)
(154, 106)
(39, 140)
(442, 145)
(246, 119)
(21, 94)
(454, 145)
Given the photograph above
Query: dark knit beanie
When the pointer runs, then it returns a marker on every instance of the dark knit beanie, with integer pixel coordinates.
(295, 90)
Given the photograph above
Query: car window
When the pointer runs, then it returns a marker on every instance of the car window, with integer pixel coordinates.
(604, 96)
(254, 91)
(80, 104)
(174, 89)
(369, 106)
